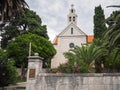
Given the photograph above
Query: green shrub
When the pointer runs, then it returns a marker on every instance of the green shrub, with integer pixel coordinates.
(68, 68)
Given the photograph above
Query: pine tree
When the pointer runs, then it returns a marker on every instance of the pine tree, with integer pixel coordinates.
(99, 25)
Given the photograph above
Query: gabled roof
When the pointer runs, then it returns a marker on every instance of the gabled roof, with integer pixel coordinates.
(73, 25)
(80, 33)
(89, 39)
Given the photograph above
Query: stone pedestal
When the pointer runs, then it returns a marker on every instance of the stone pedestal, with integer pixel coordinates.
(34, 68)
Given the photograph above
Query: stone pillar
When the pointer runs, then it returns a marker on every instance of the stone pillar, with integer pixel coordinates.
(34, 68)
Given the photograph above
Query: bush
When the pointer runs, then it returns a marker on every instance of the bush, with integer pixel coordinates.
(8, 72)
(68, 68)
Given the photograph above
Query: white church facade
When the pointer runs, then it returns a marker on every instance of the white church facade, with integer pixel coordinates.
(71, 36)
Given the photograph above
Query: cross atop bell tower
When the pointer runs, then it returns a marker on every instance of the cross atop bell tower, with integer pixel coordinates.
(72, 17)
(72, 5)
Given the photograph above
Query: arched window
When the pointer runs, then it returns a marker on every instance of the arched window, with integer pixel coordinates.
(71, 30)
(73, 18)
(71, 10)
(69, 19)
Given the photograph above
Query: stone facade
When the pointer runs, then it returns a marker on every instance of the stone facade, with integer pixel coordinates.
(72, 34)
(78, 82)
(34, 68)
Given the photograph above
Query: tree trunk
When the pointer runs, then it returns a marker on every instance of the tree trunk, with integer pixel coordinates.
(2, 16)
(2, 88)
(23, 71)
(98, 67)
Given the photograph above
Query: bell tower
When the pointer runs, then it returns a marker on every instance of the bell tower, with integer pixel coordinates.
(72, 17)
(70, 37)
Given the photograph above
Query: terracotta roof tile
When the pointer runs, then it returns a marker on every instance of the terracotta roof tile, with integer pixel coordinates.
(90, 38)
(55, 41)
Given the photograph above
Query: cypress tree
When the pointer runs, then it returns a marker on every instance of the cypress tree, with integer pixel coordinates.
(99, 22)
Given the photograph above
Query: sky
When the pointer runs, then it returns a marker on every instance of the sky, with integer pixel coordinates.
(54, 13)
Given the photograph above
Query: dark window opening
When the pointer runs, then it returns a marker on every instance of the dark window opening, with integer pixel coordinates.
(71, 30)
(71, 45)
(72, 10)
(73, 18)
(70, 19)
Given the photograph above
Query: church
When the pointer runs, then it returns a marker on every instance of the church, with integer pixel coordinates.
(71, 36)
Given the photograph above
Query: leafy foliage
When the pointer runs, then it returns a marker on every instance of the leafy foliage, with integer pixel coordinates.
(112, 35)
(8, 72)
(11, 8)
(112, 62)
(81, 59)
(66, 68)
(84, 56)
(99, 22)
(112, 41)
(27, 23)
(19, 48)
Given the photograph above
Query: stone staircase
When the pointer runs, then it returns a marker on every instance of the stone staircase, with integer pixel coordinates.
(18, 86)
(21, 86)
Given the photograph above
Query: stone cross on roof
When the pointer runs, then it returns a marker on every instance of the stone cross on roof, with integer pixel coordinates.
(72, 5)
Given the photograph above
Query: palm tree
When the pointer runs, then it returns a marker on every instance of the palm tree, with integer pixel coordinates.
(9, 8)
(114, 28)
(84, 55)
(112, 35)
(117, 6)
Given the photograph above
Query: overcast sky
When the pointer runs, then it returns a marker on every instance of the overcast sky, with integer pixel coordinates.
(54, 13)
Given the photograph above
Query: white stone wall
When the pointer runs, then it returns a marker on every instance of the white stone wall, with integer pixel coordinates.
(78, 82)
(63, 46)
(76, 31)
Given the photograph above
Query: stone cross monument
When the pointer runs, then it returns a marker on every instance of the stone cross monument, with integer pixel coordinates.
(34, 68)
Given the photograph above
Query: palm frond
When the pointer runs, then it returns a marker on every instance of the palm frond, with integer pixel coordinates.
(117, 6)
(116, 36)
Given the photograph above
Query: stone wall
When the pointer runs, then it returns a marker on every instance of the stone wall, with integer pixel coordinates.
(13, 88)
(37, 80)
(92, 81)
